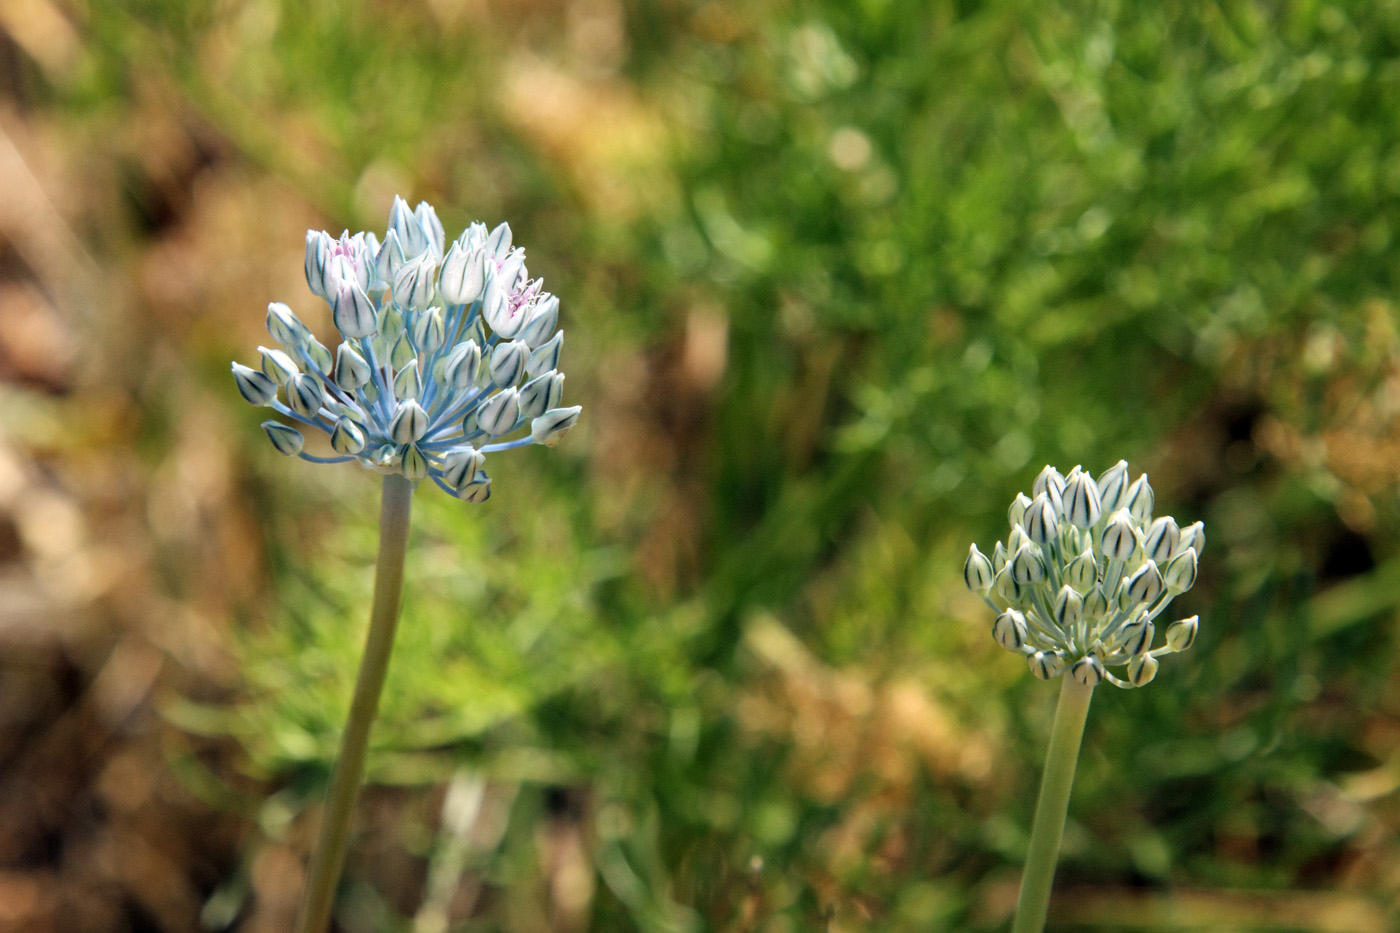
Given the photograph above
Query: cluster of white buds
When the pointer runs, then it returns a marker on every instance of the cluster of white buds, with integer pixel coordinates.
(446, 353)
(1079, 583)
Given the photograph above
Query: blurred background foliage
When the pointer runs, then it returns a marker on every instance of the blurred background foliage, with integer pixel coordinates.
(838, 278)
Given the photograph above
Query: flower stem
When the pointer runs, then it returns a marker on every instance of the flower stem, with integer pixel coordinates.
(1050, 809)
(329, 857)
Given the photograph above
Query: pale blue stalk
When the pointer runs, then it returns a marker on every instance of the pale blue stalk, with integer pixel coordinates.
(329, 858)
(1049, 823)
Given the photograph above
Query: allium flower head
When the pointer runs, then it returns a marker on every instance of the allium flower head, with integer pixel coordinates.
(1084, 575)
(448, 353)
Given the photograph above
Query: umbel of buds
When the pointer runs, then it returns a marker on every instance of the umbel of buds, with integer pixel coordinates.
(448, 352)
(1084, 575)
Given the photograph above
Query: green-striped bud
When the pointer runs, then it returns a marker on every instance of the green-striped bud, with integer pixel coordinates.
(1005, 586)
(499, 414)
(1068, 608)
(1140, 499)
(428, 331)
(255, 387)
(409, 424)
(1180, 574)
(1145, 585)
(408, 383)
(461, 466)
(1119, 538)
(305, 395)
(1162, 540)
(402, 352)
(1046, 665)
(1113, 487)
(1017, 512)
(415, 465)
(1041, 523)
(1009, 630)
(462, 365)
(347, 438)
(977, 570)
(1027, 568)
(1182, 635)
(1142, 669)
(545, 356)
(1137, 635)
(1088, 670)
(288, 441)
(508, 362)
(284, 326)
(1082, 573)
(277, 365)
(1194, 536)
(1096, 603)
(351, 370)
(1081, 499)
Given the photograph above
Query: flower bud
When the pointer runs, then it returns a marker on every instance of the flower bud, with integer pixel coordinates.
(1139, 500)
(1041, 523)
(304, 395)
(499, 413)
(998, 557)
(462, 365)
(347, 438)
(284, 326)
(461, 278)
(1046, 665)
(1119, 539)
(1017, 512)
(1113, 486)
(407, 381)
(1162, 538)
(351, 370)
(288, 441)
(1068, 608)
(1082, 573)
(534, 397)
(1026, 567)
(1182, 635)
(1081, 500)
(541, 320)
(402, 353)
(414, 464)
(428, 222)
(316, 351)
(461, 466)
(1142, 669)
(1137, 635)
(318, 245)
(549, 428)
(1194, 536)
(409, 424)
(508, 362)
(977, 571)
(546, 356)
(1088, 670)
(1145, 585)
(556, 391)
(1009, 630)
(476, 490)
(428, 331)
(255, 387)
(390, 258)
(1005, 586)
(1095, 603)
(498, 241)
(277, 365)
(1180, 574)
(1052, 484)
(353, 312)
(414, 283)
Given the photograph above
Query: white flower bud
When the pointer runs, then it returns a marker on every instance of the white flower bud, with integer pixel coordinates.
(1017, 512)
(1139, 500)
(1182, 635)
(476, 490)
(1088, 670)
(461, 278)
(1041, 523)
(546, 356)
(1113, 486)
(534, 397)
(409, 424)
(318, 354)
(499, 413)
(402, 352)
(1026, 567)
(1145, 585)
(1068, 608)
(1119, 538)
(461, 466)
(288, 441)
(318, 245)
(415, 283)
(1142, 669)
(549, 428)
(347, 438)
(353, 312)
(556, 391)
(977, 571)
(1005, 586)
(414, 464)
(390, 258)
(1052, 484)
(1194, 536)
(428, 330)
(407, 381)
(304, 395)
(284, 326)
(541, 320)
(1082, 573)
(508, 362)
(462, 365)
(351, 370)
(1009, 630)
(1180, 574)
(277, 365)
(1081, 500)
(428, 222)
(1137, 635)
(255, 387)
(1046, 665)
(1162, 539)
(998, 557)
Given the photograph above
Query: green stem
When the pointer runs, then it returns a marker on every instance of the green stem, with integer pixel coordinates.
(1050, 809)
(329, 858)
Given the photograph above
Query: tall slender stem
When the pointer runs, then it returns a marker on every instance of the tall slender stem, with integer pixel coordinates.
(1049, 824)
(329, 858)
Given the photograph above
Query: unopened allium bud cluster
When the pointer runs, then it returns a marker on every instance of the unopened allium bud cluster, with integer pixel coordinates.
(446, 352)
(1087, 570)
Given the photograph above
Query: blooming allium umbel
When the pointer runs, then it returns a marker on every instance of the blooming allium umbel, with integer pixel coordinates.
(446, 352)
(1084, 575)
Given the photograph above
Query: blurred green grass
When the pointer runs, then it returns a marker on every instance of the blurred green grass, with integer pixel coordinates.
(837, 280)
